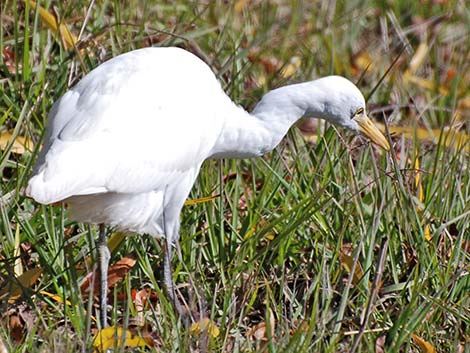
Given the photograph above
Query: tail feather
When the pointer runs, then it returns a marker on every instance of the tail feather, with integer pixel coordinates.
(65, 170)
(54, 190)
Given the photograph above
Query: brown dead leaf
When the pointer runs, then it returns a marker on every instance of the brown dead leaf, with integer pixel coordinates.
(308, 126)
(116, 273)
(16, 328)
(3, 347)
(119, 270)
(380, 344)
(14, 289)
(8, 56)
(466, 246)
(258, 332)
(270, 65)
(140, 299)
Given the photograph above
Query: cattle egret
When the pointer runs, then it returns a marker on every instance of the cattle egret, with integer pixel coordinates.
(124, 146)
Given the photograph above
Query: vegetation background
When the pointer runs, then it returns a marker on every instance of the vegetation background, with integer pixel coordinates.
(324, 245)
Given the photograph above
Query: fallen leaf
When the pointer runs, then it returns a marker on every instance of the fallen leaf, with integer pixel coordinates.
(116, 273)
(20, 144)
(424, 83)
(55, 297)
(3, 347)
(451, 137)
(347, 261)
(418, 185)
(418, 58)
(8, 56)
(361, 62)
(15, 288)
(269, 236)
(258, 332)
(17, 252)
(240, 5)
(16, 328)
(68, 38)
(292, 67)
(425, 346)
(205, 325)
(420, 192)
(200, 200)
(140, 301)
(380, 344)
(111, 337)
(115, 240)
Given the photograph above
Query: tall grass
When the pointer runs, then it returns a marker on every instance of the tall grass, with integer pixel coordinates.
(319, 246)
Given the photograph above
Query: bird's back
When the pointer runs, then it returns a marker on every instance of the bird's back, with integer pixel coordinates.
(133, 125)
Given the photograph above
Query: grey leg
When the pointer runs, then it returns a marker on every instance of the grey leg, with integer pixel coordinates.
(168, 277)
(103, 263)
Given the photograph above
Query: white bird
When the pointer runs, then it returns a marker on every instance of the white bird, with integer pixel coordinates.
(124, 146)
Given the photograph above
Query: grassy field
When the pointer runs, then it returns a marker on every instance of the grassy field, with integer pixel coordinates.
(327, 244)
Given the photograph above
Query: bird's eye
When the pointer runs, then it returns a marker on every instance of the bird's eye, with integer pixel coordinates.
(359, 111)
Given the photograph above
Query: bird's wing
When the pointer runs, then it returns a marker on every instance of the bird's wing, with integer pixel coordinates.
(136, 123)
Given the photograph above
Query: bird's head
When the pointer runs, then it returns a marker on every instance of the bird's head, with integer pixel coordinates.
(343, 104)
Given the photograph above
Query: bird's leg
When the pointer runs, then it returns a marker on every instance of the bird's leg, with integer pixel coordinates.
(168, 276)
(103, 262)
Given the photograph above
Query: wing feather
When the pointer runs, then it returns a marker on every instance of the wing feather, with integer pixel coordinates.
(132, 125)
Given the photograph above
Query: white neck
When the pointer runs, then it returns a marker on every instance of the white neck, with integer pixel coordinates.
(250, 135)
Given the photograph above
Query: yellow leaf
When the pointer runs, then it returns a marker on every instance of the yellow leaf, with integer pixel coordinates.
(240, 5)
(363, 61)
(17, 252)
(420, 189)
(200, 200)
(450, 137)
(260, 224)
(291, 68)
(50, 21)
(20, 144)
(205, 325)
(15, 289)
(270, 236)
(347, 262)
(261, 80)
(112, 336)
(55, 297)
(427, 232)
(425, 346)
(423, 83)
(418, 58)
(418, 185)
(115, 240)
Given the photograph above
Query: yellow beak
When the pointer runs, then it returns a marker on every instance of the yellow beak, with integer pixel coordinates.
(367, 127)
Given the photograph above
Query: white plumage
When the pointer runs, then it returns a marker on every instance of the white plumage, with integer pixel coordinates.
(125, 145)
